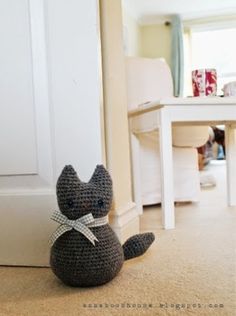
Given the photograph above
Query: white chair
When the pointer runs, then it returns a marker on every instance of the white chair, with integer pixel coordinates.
(150, 80)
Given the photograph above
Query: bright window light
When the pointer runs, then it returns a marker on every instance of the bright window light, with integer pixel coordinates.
(214, 49)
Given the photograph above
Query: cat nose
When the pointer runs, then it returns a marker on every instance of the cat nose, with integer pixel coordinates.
(86, 204)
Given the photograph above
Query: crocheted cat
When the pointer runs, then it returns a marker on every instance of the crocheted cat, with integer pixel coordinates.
(75, 259)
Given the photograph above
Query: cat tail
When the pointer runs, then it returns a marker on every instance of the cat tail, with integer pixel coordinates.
(137, 245)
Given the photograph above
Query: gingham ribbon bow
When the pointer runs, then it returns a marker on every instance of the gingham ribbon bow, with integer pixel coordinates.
(81, 224)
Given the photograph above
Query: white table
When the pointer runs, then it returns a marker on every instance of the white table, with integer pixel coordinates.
(161, 114)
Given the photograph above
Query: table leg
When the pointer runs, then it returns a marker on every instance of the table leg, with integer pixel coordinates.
(166, 162)
(230, 144)
(136, 173)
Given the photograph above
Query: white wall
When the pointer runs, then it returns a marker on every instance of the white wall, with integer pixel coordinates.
(151, 40)
(131, 34)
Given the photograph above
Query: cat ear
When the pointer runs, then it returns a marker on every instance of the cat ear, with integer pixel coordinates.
(68, 177)
(101, 177)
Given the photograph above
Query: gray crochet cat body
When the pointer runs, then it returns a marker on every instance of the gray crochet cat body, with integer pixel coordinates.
(74, 259)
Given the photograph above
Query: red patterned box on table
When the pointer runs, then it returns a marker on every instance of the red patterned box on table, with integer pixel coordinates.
(204, 82)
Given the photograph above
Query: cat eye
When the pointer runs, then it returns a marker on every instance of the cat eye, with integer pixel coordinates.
(100, 203)
(70, 203)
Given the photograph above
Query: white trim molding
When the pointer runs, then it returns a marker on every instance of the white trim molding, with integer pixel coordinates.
(125, 221)
(211, 23)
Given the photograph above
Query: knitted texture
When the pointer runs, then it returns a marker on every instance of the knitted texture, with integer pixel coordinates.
(137, 245)
(74, 259)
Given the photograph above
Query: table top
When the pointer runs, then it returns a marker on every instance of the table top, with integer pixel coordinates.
(175, 101)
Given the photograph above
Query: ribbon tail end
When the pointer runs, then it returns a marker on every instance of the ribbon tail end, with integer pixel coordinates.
(95, 239)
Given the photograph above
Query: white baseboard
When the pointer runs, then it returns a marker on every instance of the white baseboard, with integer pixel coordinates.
(125, 221)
